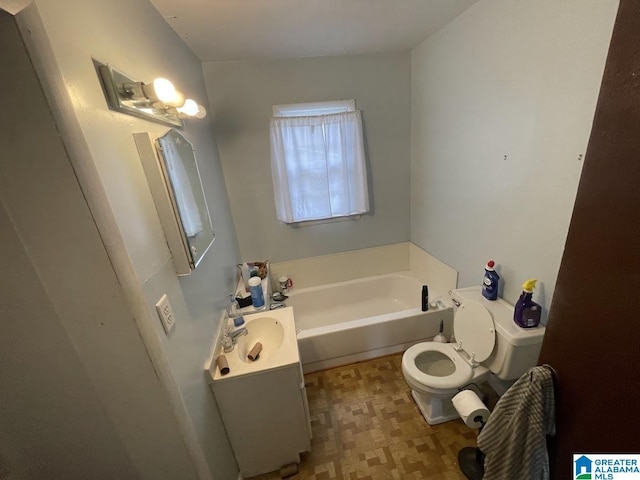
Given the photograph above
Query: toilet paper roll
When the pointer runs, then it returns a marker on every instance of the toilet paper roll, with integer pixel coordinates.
(221, 361)
(255, 352)
(470, 408)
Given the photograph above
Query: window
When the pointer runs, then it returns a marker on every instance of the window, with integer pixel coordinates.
(317, 161)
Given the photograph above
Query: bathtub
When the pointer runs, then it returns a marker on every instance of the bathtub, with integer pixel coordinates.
(351, 321)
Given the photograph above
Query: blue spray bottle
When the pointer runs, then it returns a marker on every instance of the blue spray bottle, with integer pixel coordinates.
(490, 282)
(527, 312)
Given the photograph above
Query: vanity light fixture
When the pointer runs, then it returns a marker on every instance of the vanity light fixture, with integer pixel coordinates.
(158, 101)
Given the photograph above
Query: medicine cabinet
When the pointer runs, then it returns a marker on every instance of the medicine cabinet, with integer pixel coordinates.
(170, 165)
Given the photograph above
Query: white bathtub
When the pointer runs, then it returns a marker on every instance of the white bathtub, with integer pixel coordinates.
(346, 322)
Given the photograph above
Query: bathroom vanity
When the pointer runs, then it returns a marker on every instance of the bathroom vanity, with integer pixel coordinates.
(264, 403)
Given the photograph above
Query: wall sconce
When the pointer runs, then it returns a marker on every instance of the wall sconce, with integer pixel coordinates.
(158, 101)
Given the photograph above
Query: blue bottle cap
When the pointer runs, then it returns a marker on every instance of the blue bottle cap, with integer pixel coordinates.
(238, 321)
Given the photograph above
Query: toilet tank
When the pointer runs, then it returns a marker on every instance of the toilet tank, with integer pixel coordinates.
(516, 349)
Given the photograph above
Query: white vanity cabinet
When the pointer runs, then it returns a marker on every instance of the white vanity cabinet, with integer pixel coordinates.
(266, 417)
(265, 410)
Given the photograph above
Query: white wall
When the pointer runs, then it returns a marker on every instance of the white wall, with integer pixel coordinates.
(81, 396)
(54, 424)
(133, 37)
(241, 96)
(502, 104)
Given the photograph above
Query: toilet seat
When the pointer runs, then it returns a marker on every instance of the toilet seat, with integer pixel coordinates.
(460, 376)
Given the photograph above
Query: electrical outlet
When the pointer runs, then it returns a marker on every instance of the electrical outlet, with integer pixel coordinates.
(165, 313)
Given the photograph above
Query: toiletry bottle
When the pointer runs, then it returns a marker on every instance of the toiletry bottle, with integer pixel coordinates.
(257, 295)
(425, 298)
(527, 312)
(232, 309)
(490, 282)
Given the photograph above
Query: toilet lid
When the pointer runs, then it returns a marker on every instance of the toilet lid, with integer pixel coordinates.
(473, 326)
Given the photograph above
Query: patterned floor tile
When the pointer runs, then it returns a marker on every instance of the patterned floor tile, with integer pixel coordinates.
(366, 426)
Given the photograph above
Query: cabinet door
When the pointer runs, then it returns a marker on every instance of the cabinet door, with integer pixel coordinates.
(265, 418)
(305, 404)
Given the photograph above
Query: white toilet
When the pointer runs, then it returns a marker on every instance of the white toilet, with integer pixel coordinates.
(487, 341)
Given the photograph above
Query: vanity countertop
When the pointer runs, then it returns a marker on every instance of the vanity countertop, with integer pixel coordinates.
(275, 330)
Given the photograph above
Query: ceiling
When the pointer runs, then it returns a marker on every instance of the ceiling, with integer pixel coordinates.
(13, 6)
(223, 30)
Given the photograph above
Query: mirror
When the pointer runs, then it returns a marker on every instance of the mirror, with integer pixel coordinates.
(176, 187)
(187, 193)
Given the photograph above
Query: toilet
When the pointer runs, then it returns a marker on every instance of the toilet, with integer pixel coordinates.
(488, 342)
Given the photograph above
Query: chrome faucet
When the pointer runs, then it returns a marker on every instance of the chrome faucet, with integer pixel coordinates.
(236, 333)
(230, 338)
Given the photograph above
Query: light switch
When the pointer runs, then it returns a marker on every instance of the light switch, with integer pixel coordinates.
(165, 313)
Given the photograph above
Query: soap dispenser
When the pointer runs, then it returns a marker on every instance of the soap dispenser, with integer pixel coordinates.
(490, 281)
(233, 307)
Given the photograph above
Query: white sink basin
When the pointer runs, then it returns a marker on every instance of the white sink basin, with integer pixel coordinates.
(275, 330)
(266, 330)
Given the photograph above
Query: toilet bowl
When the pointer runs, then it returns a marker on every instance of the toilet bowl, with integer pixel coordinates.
(436, 372)
(487, 340)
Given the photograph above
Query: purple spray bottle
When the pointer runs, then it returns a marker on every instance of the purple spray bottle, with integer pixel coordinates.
(527, 312)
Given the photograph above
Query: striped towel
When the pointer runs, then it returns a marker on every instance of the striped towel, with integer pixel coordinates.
(514, 438)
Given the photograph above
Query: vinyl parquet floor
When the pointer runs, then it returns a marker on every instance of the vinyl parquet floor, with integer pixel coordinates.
(366, 426)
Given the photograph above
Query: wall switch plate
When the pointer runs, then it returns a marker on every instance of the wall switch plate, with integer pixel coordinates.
(165, 313)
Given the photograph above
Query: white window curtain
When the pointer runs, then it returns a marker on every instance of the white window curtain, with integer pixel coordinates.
(318, 167)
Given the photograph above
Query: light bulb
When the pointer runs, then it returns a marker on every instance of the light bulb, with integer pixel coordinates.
(164, 90)
(189, 108)
(178, 100)
(202, 112)
(192, 109)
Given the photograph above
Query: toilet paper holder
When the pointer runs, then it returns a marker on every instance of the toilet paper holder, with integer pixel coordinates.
(471, 459)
